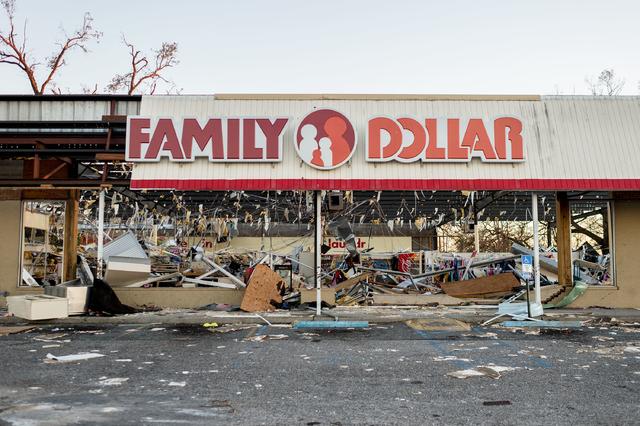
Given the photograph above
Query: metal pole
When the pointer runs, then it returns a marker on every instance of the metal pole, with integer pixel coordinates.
(536, 248)
(100, 234)
(476, 238)
(476, 232)
(318, 248)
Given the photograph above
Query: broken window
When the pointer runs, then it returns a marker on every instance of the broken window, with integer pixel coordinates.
(42, 242)
(591, 230)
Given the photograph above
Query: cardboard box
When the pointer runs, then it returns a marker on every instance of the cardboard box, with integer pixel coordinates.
(38, 306)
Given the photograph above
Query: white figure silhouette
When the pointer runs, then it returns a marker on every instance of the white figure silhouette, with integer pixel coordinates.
(325, 152)
(308, 144)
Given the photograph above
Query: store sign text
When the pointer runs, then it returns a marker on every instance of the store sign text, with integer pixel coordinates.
(444, 140)
(260, 139)
(244, 139)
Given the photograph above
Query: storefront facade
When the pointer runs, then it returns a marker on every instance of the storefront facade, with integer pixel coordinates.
(350, 143)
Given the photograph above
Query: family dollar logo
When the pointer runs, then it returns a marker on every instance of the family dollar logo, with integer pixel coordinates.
(325, 139)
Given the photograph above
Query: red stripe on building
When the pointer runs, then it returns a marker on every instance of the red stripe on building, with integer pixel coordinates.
(390, 184)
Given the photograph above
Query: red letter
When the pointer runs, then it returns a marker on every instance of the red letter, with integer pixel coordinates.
(375, 151)
(137, 137)
(250, 152)
(477, 139)
(413, 151)
(233, 139)
(455, 151)
(212, 131)
(165, 138)
(433, 151)
(272, 131)
(515, 137)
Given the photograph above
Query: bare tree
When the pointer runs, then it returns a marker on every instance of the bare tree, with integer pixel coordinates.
(607, 84)
(146, 70)
(14, 50)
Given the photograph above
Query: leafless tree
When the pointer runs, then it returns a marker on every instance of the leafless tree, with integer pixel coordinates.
(146, 70)
(14, 50)
(607, 84)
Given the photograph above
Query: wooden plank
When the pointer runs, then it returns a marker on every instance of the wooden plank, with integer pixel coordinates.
(45, 194)
(353, 281)
(4, 331)
(71, 235)
(114, 118)
(110, 156)
(416, 299)
(492, 285)
(263, 290)
(563, 239)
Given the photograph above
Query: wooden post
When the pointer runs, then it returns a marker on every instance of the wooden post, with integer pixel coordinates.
(563, 239)
(70, 235)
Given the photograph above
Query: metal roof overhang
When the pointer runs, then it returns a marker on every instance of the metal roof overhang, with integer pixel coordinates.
(572, 144)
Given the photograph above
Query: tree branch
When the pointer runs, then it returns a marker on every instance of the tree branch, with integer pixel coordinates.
(143, 77)
(16, 52)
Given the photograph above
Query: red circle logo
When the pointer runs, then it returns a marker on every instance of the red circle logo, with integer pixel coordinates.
(325, 139)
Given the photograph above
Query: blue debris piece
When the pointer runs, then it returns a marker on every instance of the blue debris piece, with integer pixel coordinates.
(543, 324)
(330, 324)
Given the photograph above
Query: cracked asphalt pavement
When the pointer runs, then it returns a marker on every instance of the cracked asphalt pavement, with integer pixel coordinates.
(387, 374)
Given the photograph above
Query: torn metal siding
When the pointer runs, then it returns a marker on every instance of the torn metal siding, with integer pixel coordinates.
(570, 143)
(32, 109)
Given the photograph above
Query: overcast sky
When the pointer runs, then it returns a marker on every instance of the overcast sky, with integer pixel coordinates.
(277, 46)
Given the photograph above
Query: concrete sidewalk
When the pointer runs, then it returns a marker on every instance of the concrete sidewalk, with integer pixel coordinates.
(373, 314)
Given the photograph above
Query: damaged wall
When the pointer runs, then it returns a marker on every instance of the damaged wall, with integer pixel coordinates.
(9, 246)
(167, 297)
(626, 292)
(284, 245)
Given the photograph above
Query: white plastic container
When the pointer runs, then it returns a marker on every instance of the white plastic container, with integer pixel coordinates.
(38, 307)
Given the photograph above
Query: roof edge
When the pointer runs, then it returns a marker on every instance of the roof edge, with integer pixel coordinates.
(371, 97)
(70, 98)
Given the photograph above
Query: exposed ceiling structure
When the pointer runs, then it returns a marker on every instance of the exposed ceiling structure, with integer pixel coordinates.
(361, 206)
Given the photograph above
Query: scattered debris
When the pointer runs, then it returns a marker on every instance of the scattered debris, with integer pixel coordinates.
(438, 324)
(542, 324)
(264, 290)
(71, 358)
(104, 300)
(4, 331)
(115, 381)
(492, 371)
(450, 358)
(210, 325)
(495, 285)
(495, 403)
(123, 271)
(264, 337)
